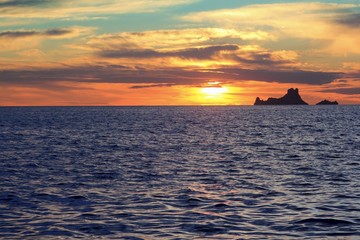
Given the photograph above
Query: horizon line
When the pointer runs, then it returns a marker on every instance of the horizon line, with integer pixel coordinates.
(203, 105)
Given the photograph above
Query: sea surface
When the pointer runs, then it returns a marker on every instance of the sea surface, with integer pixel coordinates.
(132, 173)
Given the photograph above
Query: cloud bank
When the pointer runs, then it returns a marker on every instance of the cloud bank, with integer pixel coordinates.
(56, 33)
(96, 74)
(345, 91)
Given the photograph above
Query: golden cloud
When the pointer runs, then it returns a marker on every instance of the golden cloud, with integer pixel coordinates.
(30, 39)
(333, 23)
(196, 47)
(172, 39)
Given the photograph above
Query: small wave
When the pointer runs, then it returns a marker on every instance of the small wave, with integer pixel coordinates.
(77, 198)
(90, 216)
(131, 238)
(221, 205)
(305, 169)
(257, 144)
(292, 207)
(90, 228)
(343, 234)
(105, 175)
(56, 232)
(218, 207)
(293, 156)
(324, 221)
(192, 202)
(46, 197)
(30, 165)
(7, 197)
(206, 229)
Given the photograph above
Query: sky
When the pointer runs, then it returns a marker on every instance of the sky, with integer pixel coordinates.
(183, 52)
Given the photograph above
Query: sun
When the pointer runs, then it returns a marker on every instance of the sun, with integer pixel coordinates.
(213, 93)
(213, 89)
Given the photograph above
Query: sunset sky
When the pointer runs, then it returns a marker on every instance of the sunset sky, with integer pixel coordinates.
(183, 52)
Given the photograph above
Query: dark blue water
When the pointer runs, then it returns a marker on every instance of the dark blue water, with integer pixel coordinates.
(180, 172)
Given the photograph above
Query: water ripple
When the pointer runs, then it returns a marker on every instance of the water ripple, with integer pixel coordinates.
(180, 173)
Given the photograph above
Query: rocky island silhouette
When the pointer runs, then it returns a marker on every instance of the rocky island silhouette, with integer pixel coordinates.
(327, 102)
(291, 98)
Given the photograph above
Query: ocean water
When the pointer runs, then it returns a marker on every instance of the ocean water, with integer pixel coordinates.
(256, 172)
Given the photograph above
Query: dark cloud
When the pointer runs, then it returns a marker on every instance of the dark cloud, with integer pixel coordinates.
(354, 76)
(176, 76)
(289, 76)
(259, 59)
(204, 53)
(27, 3)
(57, 32)
(190, 53)
(153, 85)
(145, 53)
(49, 33)
(18, 34)
(351, 20)
(345, 91)
(98, 74)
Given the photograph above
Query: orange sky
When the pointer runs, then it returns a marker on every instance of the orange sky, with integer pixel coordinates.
(168, 53)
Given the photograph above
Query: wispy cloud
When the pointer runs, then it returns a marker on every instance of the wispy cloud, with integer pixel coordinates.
(191, 47)
(68, 8)
(345, 91)
(25, 3)
(172, 39)
(283, 16)
(30, 39)
(56, 33)
(314, 21)
(350, 20)
(97, 74)
(152, 86)
(190, 53)
(285, 76)
(230, 54)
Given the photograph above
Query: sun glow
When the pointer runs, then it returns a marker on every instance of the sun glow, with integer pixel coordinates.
(213, 91)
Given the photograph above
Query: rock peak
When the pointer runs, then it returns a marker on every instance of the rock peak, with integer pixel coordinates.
(293, 91)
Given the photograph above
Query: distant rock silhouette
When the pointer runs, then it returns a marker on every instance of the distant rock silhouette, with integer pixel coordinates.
(326, 102)
(291, 98)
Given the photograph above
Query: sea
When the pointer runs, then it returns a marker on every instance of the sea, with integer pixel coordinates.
(199, 172)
